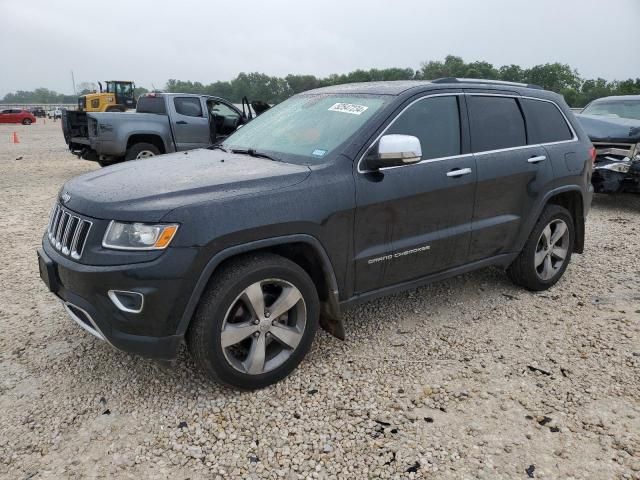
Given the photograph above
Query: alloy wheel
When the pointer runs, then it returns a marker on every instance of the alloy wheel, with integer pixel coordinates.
(145, 154)
(263, 326)
(552, 249)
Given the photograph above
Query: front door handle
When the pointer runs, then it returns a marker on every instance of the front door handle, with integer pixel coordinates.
(538, 159)
(459, 172)
(181, 122)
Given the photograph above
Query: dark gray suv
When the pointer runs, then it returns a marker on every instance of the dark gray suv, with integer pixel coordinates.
(333, 197)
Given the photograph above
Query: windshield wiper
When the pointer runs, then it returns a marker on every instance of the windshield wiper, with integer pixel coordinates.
(254, 153)
(217, 146)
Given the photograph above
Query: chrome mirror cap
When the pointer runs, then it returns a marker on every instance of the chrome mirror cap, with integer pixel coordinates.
(395, 150)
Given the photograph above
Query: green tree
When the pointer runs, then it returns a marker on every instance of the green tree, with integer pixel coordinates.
(558, 77)
(511, 73)
(553, 76)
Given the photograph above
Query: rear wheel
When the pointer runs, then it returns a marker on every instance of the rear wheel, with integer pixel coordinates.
(547, 252)
(26, 121)
(141, 150)
(255, 323)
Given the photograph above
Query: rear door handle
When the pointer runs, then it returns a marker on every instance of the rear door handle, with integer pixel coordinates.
(459, 172)
(538, 159)
(181, 122)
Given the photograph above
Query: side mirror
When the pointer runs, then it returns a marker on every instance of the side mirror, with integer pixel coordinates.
(394, 150)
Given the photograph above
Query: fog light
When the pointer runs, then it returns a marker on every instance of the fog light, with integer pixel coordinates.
(130, 302)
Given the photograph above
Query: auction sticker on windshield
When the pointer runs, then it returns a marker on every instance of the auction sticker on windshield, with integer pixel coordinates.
(319, 152)
(348, 108)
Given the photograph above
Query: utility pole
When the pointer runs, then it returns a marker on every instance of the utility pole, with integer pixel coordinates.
(73, 80)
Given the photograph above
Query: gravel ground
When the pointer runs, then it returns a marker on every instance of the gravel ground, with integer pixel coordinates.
(468, 378)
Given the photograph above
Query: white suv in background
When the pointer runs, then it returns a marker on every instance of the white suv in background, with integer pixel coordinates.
(55, 113)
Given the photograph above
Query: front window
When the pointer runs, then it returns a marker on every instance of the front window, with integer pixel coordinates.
(435, 121)
(307, 127)
(124, 89)
(617, 108)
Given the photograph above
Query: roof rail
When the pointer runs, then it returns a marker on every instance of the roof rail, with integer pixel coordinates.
(489, 82)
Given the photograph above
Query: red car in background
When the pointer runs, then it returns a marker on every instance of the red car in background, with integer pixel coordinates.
(16, 115)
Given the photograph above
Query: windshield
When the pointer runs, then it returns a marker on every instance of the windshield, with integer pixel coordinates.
(308, 126)
(619, 108)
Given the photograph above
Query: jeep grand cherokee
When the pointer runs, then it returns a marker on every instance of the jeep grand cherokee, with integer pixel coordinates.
(333, 197)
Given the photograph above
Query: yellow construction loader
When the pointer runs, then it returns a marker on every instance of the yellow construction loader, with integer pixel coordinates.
(117, 97)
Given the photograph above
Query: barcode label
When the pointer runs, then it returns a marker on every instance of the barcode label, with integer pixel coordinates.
(348, 108)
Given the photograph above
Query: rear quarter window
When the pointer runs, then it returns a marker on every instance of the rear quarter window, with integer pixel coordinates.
(152, 105)
(545, 123)
(496, 123)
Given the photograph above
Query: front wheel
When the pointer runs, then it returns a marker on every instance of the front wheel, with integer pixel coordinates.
(547, 252)
(256, 321)
(141, 150)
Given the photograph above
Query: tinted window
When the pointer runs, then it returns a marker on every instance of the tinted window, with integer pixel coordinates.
(189, 106)
(496, 122)
(436, 123)
(545, 123)
(151, 105)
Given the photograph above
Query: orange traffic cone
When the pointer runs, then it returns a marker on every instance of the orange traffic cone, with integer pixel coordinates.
(15, 138)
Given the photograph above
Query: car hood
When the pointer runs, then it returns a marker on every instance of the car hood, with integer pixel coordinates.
(610, 129)
(146, 190)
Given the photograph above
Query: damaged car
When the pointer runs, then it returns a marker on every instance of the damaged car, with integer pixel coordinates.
(613, 125)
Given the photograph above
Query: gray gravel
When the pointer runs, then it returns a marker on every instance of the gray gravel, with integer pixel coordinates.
(468, 378)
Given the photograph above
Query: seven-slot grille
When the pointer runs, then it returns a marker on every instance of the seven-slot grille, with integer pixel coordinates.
(68, 232)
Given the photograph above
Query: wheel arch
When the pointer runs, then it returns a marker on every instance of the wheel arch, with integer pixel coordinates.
(569, 197)
(572, 200)
(304, 250)
(151, 138)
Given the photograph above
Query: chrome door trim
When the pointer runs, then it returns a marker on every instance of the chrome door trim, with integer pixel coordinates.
(485, 152)
(573, 132)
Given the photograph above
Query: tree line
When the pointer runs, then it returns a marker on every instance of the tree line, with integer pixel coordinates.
(558, 77)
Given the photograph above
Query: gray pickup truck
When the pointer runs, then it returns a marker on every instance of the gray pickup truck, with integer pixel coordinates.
(162, 123)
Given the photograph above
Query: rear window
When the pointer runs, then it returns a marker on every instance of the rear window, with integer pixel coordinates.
(188, 106)
(496, 123)
(545, 123)
(151, 105)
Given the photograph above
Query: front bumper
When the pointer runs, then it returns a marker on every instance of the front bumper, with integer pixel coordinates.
(83, 289)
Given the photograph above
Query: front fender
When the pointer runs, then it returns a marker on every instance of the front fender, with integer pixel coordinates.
(332, 320)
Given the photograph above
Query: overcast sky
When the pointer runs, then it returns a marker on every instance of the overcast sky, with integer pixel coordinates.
(41, 41)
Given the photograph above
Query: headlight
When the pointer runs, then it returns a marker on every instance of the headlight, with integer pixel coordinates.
(138, 236)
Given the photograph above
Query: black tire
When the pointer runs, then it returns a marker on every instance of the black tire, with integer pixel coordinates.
(204, 337)
(106, 164)
(523, 270)
(114, 109)
(138, 148)
(26, 121)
